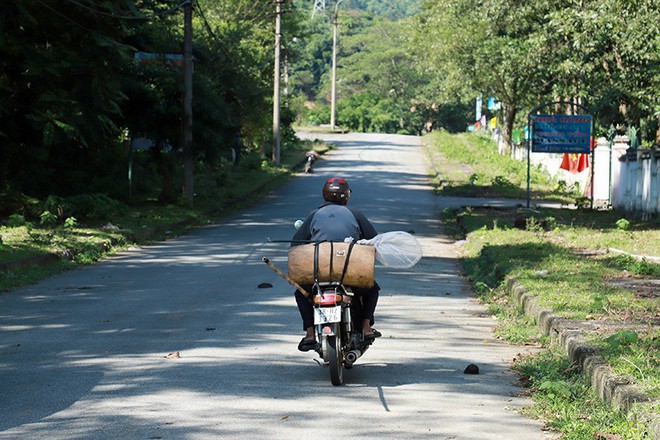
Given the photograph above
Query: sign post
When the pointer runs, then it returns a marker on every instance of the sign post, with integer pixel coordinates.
(550, 133)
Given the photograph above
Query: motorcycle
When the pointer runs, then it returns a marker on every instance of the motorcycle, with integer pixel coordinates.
(312, 156)
(339, 344)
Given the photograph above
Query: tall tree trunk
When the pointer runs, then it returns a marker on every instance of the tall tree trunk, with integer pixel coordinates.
(509, 112)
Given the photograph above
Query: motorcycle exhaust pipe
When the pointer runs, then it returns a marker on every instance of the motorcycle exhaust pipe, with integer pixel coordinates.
(352, 356)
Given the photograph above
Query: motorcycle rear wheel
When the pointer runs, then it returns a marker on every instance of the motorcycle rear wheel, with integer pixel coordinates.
(336, 363)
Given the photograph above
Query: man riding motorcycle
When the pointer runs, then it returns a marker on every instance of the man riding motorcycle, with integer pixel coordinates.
(334, 221)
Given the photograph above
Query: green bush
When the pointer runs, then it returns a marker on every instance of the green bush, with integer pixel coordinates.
(635, 266)
(47, 218)
(503, 182)
(251, 161)
(92, 207)
(17, 203)
(623, 224)
(319, 115)
(70, 223)
(16, 220)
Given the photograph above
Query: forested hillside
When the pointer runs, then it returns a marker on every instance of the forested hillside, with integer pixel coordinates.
(393, 10)
(426, 71)
(389, 9)
(381, 84)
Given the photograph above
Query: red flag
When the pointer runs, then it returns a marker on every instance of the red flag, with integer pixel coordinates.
(575, 163)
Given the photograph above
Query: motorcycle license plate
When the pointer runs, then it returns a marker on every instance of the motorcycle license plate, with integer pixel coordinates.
(325, 315)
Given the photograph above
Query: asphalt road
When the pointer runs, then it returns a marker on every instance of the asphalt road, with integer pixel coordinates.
(177, 341)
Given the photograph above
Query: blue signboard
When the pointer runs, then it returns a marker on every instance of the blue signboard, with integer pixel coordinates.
(561, 133)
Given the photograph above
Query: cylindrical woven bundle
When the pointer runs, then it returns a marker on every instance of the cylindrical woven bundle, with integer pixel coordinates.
(361, 266)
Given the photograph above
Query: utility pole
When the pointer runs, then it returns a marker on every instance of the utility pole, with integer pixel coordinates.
(333, 96)
(276, 83)
(187, 103)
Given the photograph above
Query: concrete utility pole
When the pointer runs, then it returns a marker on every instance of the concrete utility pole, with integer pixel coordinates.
(333, 97)
(276, 83)
(187, 103)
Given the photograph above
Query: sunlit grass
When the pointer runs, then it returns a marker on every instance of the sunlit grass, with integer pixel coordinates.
(469, 165)
(562, 257)
(566, 402)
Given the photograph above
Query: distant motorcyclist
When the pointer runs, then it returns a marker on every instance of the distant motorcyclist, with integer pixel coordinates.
(334, 221)
(312, 156)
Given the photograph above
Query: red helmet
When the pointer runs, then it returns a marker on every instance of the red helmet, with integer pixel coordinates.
(336, 190)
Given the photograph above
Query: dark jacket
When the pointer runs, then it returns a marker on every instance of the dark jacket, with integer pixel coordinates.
(334, 222)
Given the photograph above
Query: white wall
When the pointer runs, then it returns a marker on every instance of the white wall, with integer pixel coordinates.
(551, 162)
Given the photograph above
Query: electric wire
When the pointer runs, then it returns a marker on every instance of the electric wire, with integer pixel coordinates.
(91, 31)
(208, 27)
(113, 15)
(130, 17)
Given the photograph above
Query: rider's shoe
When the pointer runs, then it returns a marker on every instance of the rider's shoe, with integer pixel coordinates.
(373, 335)
(307, 344)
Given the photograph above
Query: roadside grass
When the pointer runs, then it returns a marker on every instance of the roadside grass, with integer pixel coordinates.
(56, 234)
(567, 403)
(468, 163)
(563, 258)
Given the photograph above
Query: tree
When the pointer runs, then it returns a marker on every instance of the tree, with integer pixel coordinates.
(608, 55)
(60, 94)
(72, 93)
(526, 54)
(375, 68)
(493, 48)
(388, 9)
(376, 64)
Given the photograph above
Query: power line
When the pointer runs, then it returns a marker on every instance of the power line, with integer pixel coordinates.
(70, 20)
(129, 17)
(208, 27)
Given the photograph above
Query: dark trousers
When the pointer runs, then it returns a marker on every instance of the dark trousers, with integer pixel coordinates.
(363, 306)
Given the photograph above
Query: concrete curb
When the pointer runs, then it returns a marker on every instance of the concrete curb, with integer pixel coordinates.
(569, 334)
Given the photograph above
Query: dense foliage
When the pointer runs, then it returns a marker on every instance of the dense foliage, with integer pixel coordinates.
(604, 55)
(382, 85)
(73, 94)
(388, 9)
(406, 74)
